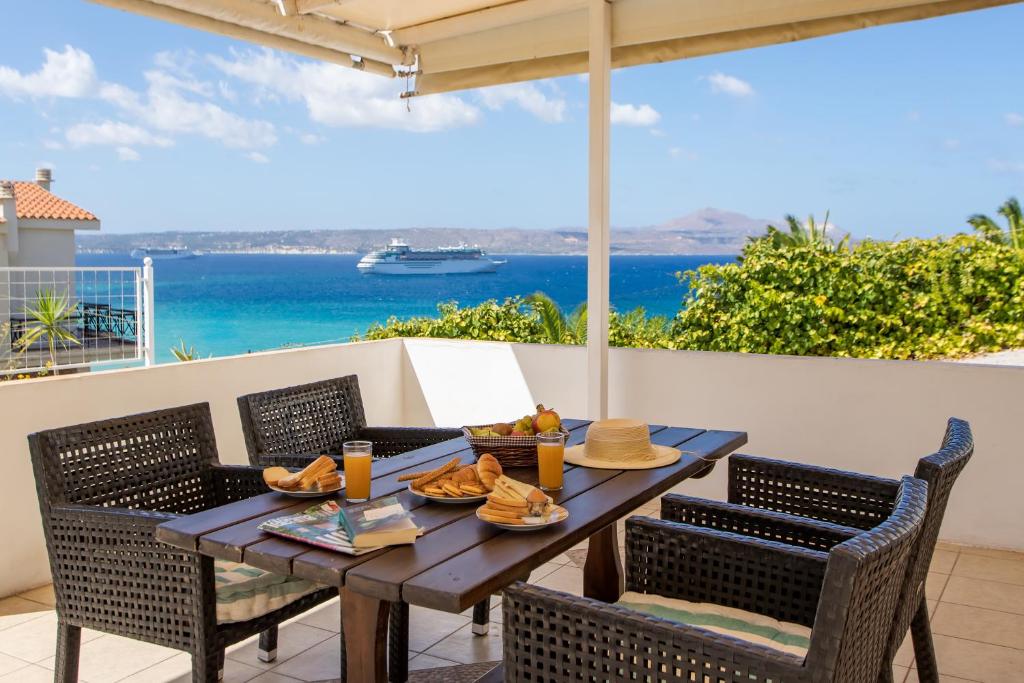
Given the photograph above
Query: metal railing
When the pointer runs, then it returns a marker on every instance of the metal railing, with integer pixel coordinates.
(61, 318)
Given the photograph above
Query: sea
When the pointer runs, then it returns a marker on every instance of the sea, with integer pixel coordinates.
(227, 304)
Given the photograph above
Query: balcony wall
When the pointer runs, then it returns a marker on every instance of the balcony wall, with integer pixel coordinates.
(872, 416)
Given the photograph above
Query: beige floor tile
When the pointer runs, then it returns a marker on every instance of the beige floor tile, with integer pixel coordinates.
(292, 639)
(905, 655)
(542, 571)
(31, 674)
(110, 658)
(899, 673)
(912, 678)
(15, 610)
(496, 620)
(326, 616)
(561, 559)
(978, 661)
(36, 640)
(9, 664)
(932, 605)
(989, 568)
(466, 648)
(178, 669)
(943, 561)
(43, 595)
(273, 677)
(934, 584)
(318, 663)
(975, 623)
(1011, 555)
(567, 579)
(1005, 597)
(421, 661)
(428, 627)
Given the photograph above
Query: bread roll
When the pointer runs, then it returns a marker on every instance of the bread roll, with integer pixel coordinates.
(488, 469)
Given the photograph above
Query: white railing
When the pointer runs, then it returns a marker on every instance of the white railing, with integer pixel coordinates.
(53, 319)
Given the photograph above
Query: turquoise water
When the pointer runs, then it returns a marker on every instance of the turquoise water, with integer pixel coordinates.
(233, 303)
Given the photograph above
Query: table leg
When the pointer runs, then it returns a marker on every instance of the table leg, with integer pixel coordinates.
(602, 572)
(365, 621)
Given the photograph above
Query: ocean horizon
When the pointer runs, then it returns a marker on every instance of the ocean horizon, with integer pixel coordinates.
(228, 304)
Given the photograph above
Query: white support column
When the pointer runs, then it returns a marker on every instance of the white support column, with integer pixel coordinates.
(598, 263)
(147, 312)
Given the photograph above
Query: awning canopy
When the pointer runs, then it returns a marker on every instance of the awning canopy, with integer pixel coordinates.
(457, 44)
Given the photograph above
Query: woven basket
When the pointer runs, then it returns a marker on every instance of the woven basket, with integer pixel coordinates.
(509, 451)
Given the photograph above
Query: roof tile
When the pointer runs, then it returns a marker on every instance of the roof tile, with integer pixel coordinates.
(32, 201)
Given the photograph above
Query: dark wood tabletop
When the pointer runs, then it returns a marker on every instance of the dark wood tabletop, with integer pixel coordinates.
(460, 560)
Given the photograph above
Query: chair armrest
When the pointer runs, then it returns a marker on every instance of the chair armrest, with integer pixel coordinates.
(390, 441)
(100, 518)
(237, 482)
(707, 565)
(847, 498)
(748, 521)
(555, 636)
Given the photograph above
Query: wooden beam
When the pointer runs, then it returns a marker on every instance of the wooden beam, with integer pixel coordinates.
(311, 29)
(482, 20)
(307, 6)
(196, 21)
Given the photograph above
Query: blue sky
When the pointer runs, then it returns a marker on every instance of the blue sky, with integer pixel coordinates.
(900, 130)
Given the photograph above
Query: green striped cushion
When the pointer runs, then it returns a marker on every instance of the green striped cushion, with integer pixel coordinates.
(749, 626)
(245, 592)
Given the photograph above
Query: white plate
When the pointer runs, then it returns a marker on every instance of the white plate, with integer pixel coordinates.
(448, 500)
(314, 493)
(563, 515)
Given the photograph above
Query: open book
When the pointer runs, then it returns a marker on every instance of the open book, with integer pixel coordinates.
(383, 521)
(318, 525)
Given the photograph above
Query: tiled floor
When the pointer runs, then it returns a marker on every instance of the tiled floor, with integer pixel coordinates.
(976, 598)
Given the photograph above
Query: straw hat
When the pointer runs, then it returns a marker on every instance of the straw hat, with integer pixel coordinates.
(620, 444)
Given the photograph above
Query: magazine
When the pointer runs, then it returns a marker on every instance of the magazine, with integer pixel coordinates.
(317, 525)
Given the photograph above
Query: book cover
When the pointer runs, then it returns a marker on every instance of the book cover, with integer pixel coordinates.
(378, 522)
(318, 525)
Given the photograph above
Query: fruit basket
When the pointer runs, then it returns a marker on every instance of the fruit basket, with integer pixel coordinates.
(512, 449)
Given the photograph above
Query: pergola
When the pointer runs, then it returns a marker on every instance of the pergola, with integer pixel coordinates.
(446, 45)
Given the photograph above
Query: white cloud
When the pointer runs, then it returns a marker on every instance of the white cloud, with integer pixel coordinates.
(633, 115)
(53, 144)
(70, 73)
(311, 139)
(337, 96)
(730, 85)
(257, 157)
(658, 132)
(682, 153)
(528, 97)
(127, 154)
(1002, 166)
(1014, 119)
(116, 133)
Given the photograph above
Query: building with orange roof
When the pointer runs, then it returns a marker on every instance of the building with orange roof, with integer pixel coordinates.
(37, 228)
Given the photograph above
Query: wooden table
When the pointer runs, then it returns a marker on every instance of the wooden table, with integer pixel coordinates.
(460, 560)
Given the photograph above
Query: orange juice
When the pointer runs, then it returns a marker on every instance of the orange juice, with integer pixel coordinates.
(550, 461)
(358, 458)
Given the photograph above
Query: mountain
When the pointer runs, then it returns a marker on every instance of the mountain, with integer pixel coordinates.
(708, 231)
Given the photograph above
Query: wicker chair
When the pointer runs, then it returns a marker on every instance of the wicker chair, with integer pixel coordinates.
(847, 597)
(103, 489)
(291, 427)
(816, 507)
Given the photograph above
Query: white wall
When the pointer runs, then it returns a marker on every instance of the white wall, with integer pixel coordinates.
(870, 416)
(44, 248)
(30, 406)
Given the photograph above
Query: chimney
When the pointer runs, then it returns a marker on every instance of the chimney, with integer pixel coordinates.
(44, 176)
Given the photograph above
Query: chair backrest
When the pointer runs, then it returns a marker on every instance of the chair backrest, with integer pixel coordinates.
(861, 592)
(157, 461)
(310, 418)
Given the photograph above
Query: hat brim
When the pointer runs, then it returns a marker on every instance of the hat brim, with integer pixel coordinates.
(663, 455)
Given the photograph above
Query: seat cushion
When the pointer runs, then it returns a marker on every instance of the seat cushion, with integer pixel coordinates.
(750, 626)
(245, 592)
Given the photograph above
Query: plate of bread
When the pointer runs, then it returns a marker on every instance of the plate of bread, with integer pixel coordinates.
(516, 506)
(455, 482)
(319, 478)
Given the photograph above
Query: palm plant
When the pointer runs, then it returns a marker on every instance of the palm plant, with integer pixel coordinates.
(1013, 236)
(803, 234)
(557, 327)
(48, 318)
(184, 354)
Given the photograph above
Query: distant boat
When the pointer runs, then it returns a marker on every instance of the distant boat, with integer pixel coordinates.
(165, 253)
(398, 258)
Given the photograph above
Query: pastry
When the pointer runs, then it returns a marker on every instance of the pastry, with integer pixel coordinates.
(473, 489)
(452, 489)
(488, 469)
(466, 475)
(487, 517)
(272, 475)
(497, 512)
(517, 509)
(329, 481)
(304, 480)
(432, 490)
(536, 501)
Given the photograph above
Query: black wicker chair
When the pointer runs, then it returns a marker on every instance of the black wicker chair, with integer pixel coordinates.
(103, 489)
(848, 597)
(291, 427)
(816, 507)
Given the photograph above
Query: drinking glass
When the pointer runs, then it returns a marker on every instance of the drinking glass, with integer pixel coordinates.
(550, 460)
(358, 456)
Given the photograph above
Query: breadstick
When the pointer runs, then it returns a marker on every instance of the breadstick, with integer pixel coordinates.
(500, 520)
(435, 474)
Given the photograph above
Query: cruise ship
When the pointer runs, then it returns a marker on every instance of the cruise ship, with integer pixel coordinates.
(165, 253)
(398, 258)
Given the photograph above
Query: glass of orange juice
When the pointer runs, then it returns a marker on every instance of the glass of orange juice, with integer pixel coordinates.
(358, 456)
(550, 460)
